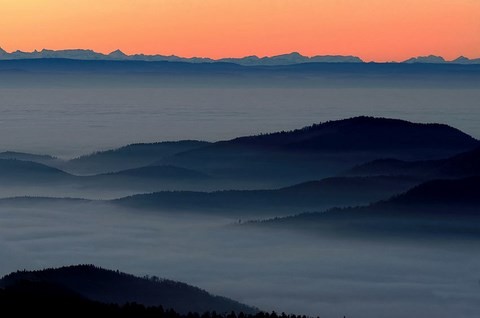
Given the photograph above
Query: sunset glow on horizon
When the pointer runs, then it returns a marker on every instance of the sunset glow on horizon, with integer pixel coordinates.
(377, 30)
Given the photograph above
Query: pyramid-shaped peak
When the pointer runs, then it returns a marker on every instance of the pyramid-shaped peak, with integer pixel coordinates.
(461, 59)
(117, 53)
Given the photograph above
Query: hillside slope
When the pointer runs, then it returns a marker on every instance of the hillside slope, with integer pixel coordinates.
(323, 150)
(447, 209)
(109, 286)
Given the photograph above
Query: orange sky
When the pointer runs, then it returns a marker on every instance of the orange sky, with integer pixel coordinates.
(380, 30)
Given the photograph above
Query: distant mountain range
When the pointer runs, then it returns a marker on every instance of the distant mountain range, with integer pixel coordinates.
(434, 59)
(52, 72)
(283, 59)
(114, 287)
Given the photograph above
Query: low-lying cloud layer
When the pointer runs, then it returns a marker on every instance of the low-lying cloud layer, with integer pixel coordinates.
(70, 122)
(281, 270)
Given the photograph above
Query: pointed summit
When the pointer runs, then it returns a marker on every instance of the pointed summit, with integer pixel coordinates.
(117, 54)
(3, 52)
(462, 60)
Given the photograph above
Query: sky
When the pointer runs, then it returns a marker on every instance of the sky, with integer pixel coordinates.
(380, 30)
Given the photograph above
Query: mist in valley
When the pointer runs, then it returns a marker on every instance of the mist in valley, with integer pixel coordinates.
(55, 211)
(69, 122)
(274, 270)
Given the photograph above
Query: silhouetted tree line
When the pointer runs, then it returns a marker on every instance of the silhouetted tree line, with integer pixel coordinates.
(39, 299)
(118, 287)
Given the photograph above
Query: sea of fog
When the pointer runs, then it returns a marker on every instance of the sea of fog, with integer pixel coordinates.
(273, 270)
(67, 122)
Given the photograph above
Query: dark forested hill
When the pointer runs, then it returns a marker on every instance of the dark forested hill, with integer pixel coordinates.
(324, 150)
(14, 171)
(441, 208)
(365, 134)
(443, 194)
(108, 286)
(148, 178)
(307, 196)
(263, 161)
(157, 172)
(461, 165)
(45, 159)
(129, 157)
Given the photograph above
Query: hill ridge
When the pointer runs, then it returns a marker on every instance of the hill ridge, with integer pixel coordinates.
(109, 286)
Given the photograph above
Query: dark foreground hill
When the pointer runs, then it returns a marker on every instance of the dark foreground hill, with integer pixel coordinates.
(29, 299)
(106, 286)
(440, 208)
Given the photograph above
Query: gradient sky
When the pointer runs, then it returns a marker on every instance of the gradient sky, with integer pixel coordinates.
(380, 30)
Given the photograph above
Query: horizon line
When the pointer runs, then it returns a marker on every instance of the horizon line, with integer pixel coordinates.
(106, 54)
